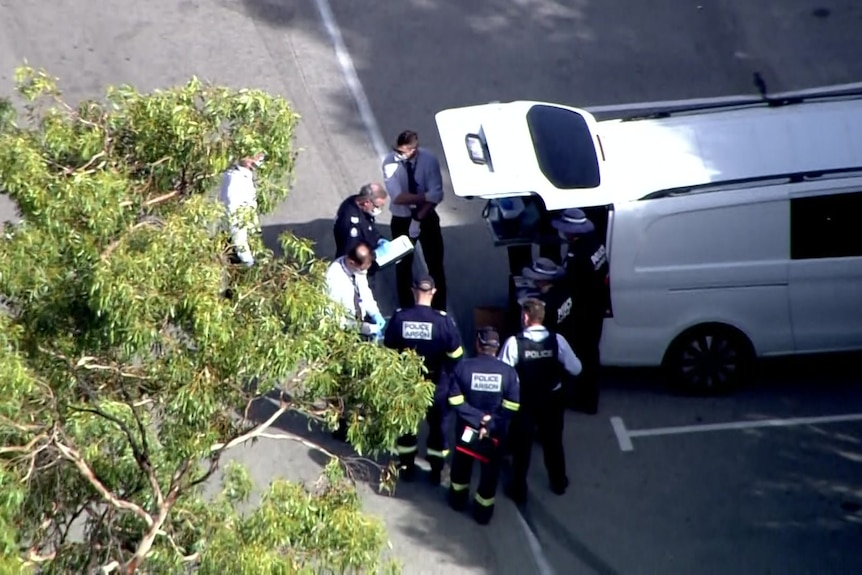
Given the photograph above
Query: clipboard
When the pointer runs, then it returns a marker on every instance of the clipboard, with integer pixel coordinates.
(392, 251)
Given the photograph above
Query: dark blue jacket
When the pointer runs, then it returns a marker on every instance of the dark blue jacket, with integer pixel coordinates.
(429, 332)
(352, 225)
(484, 385)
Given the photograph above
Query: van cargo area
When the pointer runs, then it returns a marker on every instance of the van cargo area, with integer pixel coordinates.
(520, 222)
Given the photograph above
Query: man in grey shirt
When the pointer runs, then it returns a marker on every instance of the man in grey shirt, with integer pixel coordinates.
(412, 178)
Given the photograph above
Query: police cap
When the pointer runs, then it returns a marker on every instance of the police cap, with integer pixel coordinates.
(488, 336)
(424, 283)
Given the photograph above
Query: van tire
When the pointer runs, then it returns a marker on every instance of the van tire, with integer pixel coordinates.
(709, 359)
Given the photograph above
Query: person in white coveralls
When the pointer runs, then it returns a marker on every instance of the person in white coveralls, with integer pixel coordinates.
(239, 196)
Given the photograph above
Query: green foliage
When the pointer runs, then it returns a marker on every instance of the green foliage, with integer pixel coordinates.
(123, 369)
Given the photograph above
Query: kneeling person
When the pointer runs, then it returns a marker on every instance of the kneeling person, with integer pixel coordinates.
(484, 392)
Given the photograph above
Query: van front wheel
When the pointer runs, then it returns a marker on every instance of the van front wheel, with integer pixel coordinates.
(709, 359)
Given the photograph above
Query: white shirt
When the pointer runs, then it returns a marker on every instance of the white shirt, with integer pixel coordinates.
(339, 287)
(238, 190)
(565, 354)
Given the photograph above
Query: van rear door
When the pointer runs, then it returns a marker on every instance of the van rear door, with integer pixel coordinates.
(525, 148)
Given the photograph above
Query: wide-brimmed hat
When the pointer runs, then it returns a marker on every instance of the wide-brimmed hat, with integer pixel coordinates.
(543, 269)
(574, 222)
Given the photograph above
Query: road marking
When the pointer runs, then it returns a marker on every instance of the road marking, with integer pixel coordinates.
(350, 76)
(542, 563)
(717, 100)
(624, 436)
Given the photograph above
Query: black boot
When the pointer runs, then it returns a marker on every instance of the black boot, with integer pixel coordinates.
(559, 486)
(458, 499)
(407, 472)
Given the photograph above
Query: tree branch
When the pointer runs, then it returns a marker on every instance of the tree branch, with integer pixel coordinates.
(75, 457)
(140, 452)
(115, 244)
(23, 448)
(253, 433)
(35, 558)
(153, 201)
(19, 426)
(298, 439)
(136, 450)
(86, 363)
(146, 543)
(144, 462)
(185, 558)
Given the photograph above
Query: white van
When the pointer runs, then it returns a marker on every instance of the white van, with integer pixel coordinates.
(732, 232)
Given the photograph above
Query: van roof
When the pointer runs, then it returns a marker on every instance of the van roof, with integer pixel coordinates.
(569, 159)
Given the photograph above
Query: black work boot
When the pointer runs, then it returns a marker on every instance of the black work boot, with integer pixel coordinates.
(458, 499)
(517, 493)
(483, 513)
(407, 472)
(559, 486)
(435, 476)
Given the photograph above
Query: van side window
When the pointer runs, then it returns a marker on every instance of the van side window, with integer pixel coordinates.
(826, 226)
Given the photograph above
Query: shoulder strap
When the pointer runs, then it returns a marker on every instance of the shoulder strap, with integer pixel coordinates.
(520, 339)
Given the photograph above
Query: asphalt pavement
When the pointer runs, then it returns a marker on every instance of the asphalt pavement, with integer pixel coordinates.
(737, 500)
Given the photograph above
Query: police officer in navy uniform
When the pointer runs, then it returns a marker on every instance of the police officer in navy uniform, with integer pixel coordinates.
(483, 391)
(548, 278)
(355, 221)
(539, 356)
(587, 278)
(432, 335)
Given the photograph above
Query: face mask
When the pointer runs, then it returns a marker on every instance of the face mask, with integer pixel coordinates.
(375, 211)
(402, 157)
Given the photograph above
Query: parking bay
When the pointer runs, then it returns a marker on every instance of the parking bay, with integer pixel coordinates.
(766, 480)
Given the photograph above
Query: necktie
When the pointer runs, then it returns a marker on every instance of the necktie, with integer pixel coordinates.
(356, 307)
(412, 185)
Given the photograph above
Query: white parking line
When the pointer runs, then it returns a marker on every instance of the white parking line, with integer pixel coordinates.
(624, 436)
(345, 61)
(542, 563)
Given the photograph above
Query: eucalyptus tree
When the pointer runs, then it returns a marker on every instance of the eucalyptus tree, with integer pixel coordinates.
(126, 373)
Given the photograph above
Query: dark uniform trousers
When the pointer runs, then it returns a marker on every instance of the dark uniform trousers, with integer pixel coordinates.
(585, 338)
(542, 410)
(488, 453)
(431, 238)
(435, 447)
(587, 269)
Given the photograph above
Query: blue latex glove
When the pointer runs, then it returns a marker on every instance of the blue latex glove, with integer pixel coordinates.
(379, 320)
(382, 241)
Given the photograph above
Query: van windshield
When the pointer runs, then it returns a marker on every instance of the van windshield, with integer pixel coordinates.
(564, 147)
